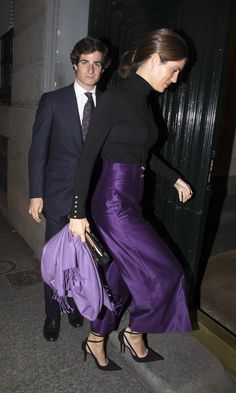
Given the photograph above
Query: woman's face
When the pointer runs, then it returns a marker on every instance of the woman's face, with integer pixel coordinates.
(161, 75)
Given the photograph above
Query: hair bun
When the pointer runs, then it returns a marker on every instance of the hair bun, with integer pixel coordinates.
(126, 63)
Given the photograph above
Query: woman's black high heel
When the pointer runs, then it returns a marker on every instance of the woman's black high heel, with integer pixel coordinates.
(110, 366)
(151, 356)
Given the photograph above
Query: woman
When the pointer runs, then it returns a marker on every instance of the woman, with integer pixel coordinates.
(123, 128)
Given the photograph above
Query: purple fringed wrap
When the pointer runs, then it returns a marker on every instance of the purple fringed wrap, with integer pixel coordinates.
(68, 267)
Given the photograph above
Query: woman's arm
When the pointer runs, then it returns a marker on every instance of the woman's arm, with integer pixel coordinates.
(101, 123)
(160, 167)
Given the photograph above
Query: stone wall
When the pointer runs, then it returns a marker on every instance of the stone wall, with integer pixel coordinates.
(27, 86)
(44, 34)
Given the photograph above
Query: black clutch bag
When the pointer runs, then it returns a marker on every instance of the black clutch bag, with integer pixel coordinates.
(96, 248)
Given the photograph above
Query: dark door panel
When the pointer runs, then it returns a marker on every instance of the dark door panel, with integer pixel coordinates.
(191, 110)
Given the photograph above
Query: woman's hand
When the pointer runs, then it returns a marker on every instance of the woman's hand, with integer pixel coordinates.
(184, 190)
(78, 227)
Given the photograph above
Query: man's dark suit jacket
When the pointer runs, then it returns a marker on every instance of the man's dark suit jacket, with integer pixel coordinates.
(55, 150)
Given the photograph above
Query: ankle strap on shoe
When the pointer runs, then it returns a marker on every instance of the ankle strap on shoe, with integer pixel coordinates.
(126, 331)
(96, 342)
(96, 334)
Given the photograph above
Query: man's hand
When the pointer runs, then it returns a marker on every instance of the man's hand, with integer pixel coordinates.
(78, 227)
(184, 190)
(36, 208)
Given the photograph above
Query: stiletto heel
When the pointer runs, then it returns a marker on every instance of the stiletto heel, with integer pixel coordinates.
(84, 350)
(122, 347)
(110, 366)
(151, 356)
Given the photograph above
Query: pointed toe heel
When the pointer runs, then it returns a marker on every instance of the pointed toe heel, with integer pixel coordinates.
(151, 356)
(110, 366)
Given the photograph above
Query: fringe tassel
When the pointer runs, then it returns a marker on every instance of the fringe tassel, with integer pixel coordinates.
(63, 302)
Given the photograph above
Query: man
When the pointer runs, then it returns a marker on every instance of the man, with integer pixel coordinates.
(59, 132)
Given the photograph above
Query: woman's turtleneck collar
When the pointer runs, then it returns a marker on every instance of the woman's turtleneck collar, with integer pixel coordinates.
(139, 84)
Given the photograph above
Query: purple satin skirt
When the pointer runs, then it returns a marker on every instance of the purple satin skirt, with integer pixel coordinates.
(143, 267)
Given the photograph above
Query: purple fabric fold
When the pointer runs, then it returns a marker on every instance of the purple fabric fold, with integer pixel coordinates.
(69, 268)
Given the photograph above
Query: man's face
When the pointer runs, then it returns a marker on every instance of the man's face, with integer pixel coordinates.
(89, 69)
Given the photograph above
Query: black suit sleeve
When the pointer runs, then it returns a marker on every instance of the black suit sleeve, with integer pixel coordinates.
(39, 148)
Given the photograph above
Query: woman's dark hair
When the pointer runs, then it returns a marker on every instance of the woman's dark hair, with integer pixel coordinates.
(167, 43)
(89, 45)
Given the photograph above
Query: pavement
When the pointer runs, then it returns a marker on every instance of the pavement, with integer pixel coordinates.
(28, 363)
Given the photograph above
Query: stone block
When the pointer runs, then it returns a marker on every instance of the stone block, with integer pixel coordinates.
(17, 168)
(5, 113)
(27, 85)
(26, 12)
(32, 232)
(28, 45)
(22, 121)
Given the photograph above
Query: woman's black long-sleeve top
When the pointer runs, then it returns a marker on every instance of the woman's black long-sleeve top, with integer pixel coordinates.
(124, 130)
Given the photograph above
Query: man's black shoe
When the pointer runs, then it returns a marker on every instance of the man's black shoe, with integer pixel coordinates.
(51, 329)
(75, 318)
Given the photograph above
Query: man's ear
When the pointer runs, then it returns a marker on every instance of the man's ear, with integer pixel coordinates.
(75, 67)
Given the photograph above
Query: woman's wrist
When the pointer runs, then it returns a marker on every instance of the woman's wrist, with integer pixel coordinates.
(77, 212)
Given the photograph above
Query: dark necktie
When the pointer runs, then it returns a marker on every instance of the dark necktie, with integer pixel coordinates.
(87, 113)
